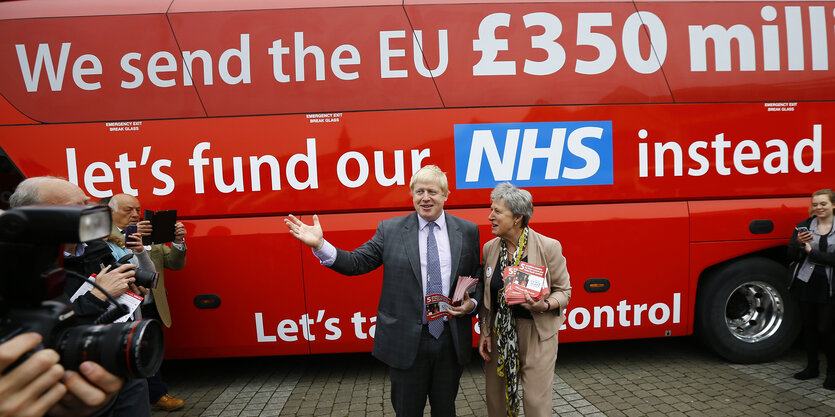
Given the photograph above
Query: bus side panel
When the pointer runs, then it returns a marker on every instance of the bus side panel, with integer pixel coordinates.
(699, 67)
(9, 115)
(717, 220)
(518, 27)
(347, 305)
(253, 265)
(722, 230)
(640, 249)
(274, 164)
(118, 77)
(282, 82)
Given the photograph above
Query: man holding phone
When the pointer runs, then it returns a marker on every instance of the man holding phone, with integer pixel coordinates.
(126, 210)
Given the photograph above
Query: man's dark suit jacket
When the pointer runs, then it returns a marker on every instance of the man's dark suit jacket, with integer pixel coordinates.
(401, 308)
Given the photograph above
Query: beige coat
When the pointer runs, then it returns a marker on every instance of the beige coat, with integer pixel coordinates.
(543, 251)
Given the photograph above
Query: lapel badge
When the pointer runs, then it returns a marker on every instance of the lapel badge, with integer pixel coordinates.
(489, 271)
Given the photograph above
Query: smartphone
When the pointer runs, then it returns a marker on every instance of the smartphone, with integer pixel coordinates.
(801, 229)
(130, 229)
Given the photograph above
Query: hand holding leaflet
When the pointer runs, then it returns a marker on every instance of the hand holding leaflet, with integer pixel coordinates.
(524, 279)
(438, 306)
(465, 285)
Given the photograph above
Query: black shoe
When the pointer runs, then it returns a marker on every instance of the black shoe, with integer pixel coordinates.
(811, 371)
(829, 382)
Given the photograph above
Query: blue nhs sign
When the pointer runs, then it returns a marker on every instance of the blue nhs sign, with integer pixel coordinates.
(544, 154)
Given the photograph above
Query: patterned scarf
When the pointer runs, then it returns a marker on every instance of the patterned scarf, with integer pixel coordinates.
(507, 341)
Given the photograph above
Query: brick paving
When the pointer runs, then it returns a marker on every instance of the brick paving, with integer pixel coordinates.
(658, 377)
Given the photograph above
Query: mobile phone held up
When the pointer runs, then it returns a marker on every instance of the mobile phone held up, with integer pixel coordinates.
(130, 229)
(801, 229)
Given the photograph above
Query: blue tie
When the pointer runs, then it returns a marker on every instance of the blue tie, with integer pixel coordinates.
(434, 284)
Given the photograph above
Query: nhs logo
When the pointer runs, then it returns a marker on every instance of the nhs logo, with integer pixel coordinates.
(533, 154)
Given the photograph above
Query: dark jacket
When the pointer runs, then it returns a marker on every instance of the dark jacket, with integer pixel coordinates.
(797, 255)
(96, 256)
(400, 311)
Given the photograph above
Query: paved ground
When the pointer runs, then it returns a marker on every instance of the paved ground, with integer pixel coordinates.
(659, 377)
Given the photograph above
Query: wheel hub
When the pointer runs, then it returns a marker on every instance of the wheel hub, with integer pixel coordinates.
(754, 311)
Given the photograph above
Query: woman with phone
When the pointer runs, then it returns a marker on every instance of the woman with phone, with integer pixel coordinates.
(812, 253)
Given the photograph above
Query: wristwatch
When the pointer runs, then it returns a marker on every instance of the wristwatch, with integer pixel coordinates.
(548, 304)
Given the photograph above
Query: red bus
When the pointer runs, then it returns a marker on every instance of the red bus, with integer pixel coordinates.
(670, 146)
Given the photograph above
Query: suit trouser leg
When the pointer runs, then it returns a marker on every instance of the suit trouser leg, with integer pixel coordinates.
(434, 374)
(537, 359)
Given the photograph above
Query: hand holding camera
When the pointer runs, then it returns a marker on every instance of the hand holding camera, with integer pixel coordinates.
(115, 281)
(87, 393)
(34, 385)
(138, 289)
(39, 383)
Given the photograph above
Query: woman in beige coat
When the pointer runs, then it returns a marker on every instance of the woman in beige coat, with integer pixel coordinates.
(519, 342)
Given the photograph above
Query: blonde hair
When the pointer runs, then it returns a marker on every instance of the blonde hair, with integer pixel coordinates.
(431, 174)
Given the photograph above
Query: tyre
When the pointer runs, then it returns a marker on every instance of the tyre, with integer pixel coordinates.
(744, 312)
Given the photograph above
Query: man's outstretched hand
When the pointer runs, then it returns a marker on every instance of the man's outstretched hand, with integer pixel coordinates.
(310, 235)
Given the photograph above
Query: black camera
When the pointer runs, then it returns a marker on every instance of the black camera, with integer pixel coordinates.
(147, 279)
(32, 286)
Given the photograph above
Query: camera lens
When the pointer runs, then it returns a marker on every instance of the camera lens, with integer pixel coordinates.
(132, 349)
(145, 278)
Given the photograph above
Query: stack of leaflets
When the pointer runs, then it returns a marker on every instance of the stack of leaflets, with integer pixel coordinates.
(524, 279)
(437, 305)
(465, 285)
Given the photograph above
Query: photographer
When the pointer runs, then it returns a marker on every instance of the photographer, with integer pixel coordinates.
(57, 191)
(131, 398)
(126, 210)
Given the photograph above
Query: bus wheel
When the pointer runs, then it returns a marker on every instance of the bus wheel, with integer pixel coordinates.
(744, 312)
